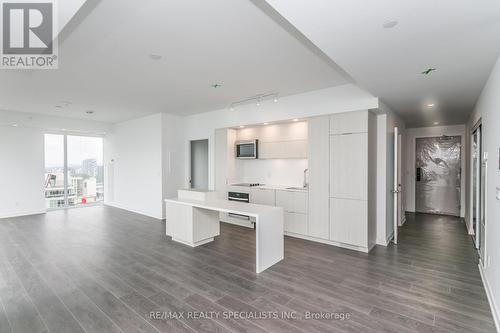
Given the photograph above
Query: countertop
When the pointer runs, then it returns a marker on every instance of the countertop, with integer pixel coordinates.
(227, 206)
(274, 187)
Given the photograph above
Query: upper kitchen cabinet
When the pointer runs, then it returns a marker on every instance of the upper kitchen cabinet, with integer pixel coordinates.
(283, 149)
(349, 122)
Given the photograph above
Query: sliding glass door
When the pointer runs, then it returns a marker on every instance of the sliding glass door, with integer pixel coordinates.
(85, 170)
(74, 172)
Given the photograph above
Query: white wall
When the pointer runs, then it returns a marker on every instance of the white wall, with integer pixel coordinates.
(173, 154)
(144, 163)
(21, 171)
(320, 102)
(133, 157)
(488, 108)
(411, 135)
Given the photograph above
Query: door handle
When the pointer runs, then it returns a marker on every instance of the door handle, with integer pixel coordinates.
(419, 174)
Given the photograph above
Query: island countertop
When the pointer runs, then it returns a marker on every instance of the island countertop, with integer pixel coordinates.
(226, 206)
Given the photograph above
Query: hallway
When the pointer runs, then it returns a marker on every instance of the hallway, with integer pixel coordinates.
(440, 257)
(102, 269)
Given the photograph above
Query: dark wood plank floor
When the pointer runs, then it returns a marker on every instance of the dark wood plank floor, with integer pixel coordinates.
(102, 269)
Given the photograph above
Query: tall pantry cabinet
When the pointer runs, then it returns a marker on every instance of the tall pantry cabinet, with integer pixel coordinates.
(342, 179)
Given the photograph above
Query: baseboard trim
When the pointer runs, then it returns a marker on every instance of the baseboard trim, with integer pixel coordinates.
(35, 212)
(495, 311)
(403, 220)
(133, 211)
(329, 242)
(387, 240)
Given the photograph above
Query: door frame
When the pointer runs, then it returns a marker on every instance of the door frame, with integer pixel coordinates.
(189, 160)
(482, 182)
(396, 185)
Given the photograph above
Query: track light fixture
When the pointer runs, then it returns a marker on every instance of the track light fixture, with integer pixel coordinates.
(257, 99)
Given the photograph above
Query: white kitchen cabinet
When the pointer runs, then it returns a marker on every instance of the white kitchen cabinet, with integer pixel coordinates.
(283, 149)
(349, 166)
(349, 122)
(292, 201)
(263, 196)
(296, 223)
(319, 173)
(349, 222)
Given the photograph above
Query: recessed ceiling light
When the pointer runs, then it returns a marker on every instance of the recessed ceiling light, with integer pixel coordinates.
(275, 100)
(430, 105)
(436, 123)
(241, 126)
(266, 123)
(154, 56)
(390, 24)
(63, 129)
(15, 125)
(89, 112)
(64, 103)
(295, 119)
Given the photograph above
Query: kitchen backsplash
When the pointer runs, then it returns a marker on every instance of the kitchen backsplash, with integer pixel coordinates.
(289, 172)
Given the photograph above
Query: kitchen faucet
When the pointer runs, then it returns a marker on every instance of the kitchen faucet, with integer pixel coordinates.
(305, 184)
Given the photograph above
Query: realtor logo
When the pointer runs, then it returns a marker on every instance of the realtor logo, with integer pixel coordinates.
(28, 31)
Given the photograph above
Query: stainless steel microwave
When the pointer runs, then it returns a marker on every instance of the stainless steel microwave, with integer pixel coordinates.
(247, 149)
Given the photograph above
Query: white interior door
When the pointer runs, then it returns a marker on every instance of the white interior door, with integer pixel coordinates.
(395, 190)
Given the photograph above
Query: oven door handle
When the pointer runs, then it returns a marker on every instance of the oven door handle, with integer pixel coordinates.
(237, 199)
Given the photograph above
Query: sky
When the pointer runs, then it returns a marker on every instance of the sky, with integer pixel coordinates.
(79, 149)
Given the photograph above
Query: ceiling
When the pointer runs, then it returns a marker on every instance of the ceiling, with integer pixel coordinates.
(104, 64)
(460, 38)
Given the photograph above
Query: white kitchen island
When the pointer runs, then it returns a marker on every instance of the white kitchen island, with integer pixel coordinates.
(194, 221)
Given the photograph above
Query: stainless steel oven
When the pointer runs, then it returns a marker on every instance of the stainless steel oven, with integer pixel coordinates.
(247, 149)
(240, 197)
